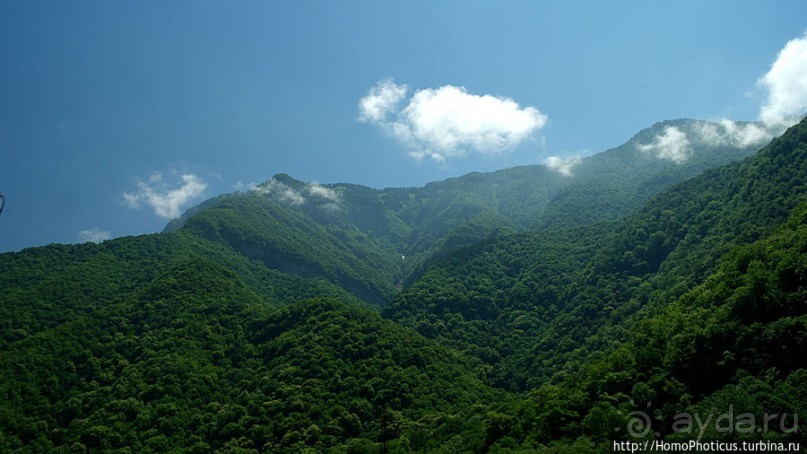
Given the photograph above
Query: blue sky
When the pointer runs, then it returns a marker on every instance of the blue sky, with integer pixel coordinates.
(115, 116)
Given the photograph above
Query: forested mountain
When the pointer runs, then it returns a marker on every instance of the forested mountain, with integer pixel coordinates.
(526, 309)
(587, 312)
(598, 275)
(370, 241)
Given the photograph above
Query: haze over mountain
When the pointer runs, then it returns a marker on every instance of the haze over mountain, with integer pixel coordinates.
(252, 323)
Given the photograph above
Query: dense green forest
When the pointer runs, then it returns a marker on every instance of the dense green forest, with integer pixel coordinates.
(524, 310)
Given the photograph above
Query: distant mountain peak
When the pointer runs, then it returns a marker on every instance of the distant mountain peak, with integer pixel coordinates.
(285, 179)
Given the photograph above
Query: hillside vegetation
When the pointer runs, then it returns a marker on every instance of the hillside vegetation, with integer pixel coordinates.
(524, 310)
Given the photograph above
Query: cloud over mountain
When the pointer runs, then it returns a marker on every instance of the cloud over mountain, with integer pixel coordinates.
(449, 121)
(324, 197)
(166, 199)
(677, 144)
(727, 132)
(93, 235)
(322, 192)
(672, 145)
(786, 104)
(280, 191)
(561, 165)
(786, 83)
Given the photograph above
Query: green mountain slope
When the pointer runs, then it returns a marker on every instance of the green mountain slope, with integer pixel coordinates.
(195, 359)
(294, 243)
(535, 304)
(581, 307)
(524, 309)
(612, 184)
(370, 242)
(46, 287)
(730, 347)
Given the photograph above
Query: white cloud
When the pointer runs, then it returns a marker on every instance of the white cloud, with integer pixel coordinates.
(382, 100)
(730, 133)
(167, 200)
(286, 194)
(316, 190)
(93, 235)
(448, 121)
(291, 196)
(240, 186)
(563, 166)
(786, 83)
(281, 192)
(677, 145)
(672, 145)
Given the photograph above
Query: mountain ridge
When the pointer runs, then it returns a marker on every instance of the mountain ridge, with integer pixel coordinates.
(271, 320)
(652, 252)
(407, 227)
